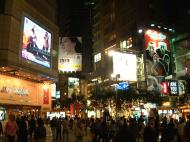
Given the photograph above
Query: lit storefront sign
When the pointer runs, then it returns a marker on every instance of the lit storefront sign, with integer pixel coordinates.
(173, 87)
(122, 86)
(164, 87)
(170, 87)
(14, 90)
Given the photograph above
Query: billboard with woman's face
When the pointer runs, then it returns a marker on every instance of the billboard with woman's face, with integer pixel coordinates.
(70, 54)
(36, 43)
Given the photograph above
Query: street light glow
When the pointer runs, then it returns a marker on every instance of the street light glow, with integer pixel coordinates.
(140, 31)
(111, 52)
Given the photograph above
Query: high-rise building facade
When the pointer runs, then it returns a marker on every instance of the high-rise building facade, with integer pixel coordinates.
(75, 21)
(122, 25)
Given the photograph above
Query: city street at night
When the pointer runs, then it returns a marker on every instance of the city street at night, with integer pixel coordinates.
(94, 71)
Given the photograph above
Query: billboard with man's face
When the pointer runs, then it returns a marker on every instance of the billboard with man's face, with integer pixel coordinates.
(70, 54)
(36, 43)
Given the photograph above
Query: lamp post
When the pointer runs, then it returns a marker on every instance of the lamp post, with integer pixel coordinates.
(116, 77)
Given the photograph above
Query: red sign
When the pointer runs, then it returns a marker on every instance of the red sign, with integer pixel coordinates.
(72, 109)
(46, 96)
(164, 87)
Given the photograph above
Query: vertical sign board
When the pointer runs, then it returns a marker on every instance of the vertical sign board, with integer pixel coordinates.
(158, 58)
(173, 88)
(46, 96)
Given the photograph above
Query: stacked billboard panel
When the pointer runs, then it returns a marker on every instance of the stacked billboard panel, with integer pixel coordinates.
(70, 54)
(158, 59)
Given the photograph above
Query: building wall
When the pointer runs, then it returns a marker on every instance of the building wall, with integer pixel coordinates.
(15, 91)
(10, 37)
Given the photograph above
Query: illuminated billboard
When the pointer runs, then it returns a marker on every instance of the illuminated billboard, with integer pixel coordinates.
(158, 59)
(36, 43)
(70, 54)
(125, 65)
(157, 53)
(73, 86)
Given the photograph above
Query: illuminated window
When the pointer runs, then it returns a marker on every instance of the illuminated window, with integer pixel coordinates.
(97, 57)
(126, 43)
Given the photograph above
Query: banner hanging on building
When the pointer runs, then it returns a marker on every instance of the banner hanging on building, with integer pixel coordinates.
(46, 96)
(70, 54)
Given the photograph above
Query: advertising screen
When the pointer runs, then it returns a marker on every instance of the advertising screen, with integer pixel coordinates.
(157, 53)
(73, 86)
(70, 54)
(125, 65)
(158, 58)
(36, 43)
(173, 87)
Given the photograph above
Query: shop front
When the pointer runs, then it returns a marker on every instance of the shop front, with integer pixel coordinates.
(23, 97)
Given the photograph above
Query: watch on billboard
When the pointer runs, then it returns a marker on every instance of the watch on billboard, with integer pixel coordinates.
(70, 54)
(36, 43)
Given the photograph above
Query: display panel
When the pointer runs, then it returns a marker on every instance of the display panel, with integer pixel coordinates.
(36, 43)
(73, 86)
(125, 65)
(158, 59)
(70, 54)
(157, 53)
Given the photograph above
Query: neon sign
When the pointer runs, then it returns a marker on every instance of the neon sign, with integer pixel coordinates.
(155, 35)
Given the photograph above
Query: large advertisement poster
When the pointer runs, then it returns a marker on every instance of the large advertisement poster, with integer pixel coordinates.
(125, 65)
(70, 54)
(36, 43)
(73, 86)
(158, 58)
(157, 53)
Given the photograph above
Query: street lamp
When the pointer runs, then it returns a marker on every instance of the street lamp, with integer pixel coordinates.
(116, 77)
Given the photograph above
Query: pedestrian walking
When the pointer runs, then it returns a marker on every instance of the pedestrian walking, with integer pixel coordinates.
(40, 131)
(53, 127)
(58, 129)
(79, 131)
(65, 130)
(22, 131)
(11, 128)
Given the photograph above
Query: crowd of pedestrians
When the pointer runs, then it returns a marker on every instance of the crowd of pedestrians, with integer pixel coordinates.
(24, 129)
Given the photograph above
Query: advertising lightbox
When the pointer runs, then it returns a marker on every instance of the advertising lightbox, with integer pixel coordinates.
(125, 65)
(73, 86)
(70, 54)
(158, 58)
(157, 53)
(36, 43)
